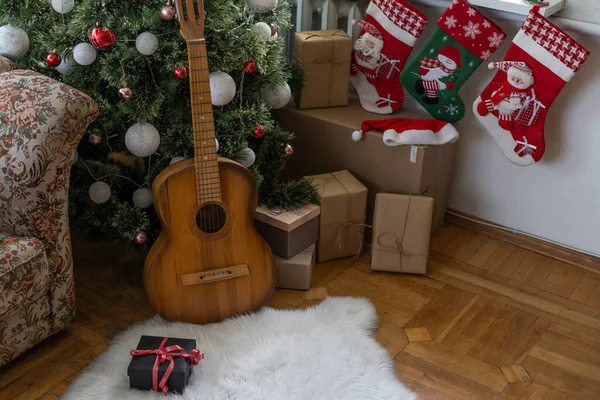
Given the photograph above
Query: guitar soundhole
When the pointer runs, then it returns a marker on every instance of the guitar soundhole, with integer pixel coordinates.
(211, 218)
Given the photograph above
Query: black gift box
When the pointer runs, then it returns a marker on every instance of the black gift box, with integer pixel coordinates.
(140, 368)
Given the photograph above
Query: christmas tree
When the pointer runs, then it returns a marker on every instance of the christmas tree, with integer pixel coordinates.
(130, 57)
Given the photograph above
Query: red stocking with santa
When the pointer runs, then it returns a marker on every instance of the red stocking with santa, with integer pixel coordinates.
(513, 107)
(388, 34)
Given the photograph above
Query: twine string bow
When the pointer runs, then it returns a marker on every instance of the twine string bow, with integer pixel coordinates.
(166, 354)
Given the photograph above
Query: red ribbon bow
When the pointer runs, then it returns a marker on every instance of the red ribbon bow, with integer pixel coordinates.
(166, 354)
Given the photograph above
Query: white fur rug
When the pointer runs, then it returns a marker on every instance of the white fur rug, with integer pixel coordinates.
(325, 352)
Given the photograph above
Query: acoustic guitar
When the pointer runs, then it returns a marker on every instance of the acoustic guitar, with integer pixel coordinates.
(209, 263)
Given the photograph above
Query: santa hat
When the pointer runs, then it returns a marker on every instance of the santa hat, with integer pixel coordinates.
(452, 53)
(404, 131)
(518, 69)
(369, 28)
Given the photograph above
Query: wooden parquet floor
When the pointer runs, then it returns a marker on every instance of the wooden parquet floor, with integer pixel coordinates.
(489, 321)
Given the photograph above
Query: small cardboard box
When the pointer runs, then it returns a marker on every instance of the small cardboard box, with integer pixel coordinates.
(325, 135)
(288, 232)
(343, 211)
(325, 60)
(296, 272)
(401, 233)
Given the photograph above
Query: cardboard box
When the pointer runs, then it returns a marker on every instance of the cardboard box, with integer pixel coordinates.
(343, 212)
(296, 273)
(323, 144)
(288, 232)
(401, 233)
(325, 60)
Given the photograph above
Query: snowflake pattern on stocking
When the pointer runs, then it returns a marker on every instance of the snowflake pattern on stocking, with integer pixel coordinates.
(454, 3)
(471, 30)
(450, 22)
(485, 55)
(471, 12)
(452, 109)
(486, 24)
(496, 40)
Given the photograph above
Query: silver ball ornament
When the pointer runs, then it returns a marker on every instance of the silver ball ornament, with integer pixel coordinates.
(63, 6)
(146, 43)
(95, 138)
(274, 37)
(217, 144)
(248, 157)
(84, 54)
(142, 198)
(222, 88)
(75, 158)
(142, 139)
(263, 31)
(99, 192)
(276, 96)
(14, 42)
(263, 6)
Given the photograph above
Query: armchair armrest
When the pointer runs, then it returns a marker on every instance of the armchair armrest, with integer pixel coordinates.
(6, 65)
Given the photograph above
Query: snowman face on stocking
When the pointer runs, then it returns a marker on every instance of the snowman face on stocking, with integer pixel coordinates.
(518, 79)
(447, 62)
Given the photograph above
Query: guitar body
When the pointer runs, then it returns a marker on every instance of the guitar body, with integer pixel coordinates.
(200, 270)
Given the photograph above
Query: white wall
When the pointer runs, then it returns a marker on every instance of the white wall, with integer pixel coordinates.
(558, 198)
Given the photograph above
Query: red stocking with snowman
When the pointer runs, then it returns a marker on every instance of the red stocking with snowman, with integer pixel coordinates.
(513, 107)
(388, 34)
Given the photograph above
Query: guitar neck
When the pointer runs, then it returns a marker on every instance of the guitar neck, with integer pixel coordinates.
(208, 184)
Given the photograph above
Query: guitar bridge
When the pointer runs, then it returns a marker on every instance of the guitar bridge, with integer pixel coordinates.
(215, 275)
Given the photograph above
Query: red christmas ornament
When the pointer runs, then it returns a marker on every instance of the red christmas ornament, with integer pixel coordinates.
(259, 132)
(125, 92)
(180, 72)
(273, 29)
(95, 138)
(53, 59)
(250, 66)
(168, 12)
(289, 149)
(102, 38)
(141, 237)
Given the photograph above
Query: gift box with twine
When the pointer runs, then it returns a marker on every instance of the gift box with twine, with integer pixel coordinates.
(401, 233)
(343, 213)
(325, 59)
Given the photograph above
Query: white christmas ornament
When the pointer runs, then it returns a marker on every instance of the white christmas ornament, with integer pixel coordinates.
(14, 42)
(176, 160)
(142, 198)
(357, 136)
(65, 65)
(217, 143)
(63, 6)
(247, 157)
(142, 140)
(263, 6)
(99, 192)
(263, 31)
(146, 43)
(84, 54)
(274, 37)
(222, 88)
(276, 96)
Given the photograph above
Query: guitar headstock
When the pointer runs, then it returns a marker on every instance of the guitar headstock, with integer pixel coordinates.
(191, 18)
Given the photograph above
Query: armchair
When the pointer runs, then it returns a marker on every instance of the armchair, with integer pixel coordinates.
(41, 123)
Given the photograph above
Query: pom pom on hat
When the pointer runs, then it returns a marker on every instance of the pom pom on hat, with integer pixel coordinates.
(404, 131)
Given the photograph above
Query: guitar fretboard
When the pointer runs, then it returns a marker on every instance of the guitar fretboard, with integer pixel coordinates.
(208, 183)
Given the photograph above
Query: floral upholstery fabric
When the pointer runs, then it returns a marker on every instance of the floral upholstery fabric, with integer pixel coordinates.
(41, 123)
(24, 295)
(6, 65)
